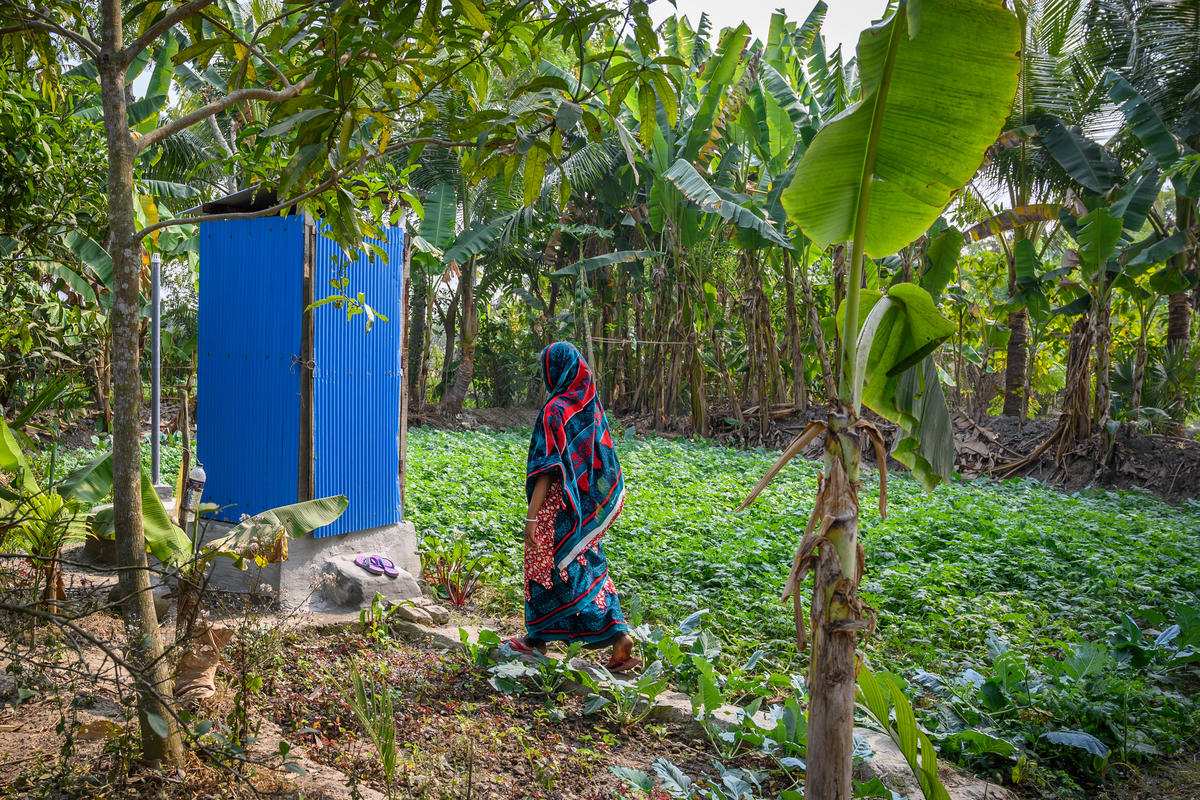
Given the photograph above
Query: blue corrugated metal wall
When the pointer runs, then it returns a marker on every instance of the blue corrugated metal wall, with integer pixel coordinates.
(356, 387)
(248, 420)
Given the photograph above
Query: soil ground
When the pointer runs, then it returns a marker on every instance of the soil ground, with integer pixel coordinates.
(457, 737)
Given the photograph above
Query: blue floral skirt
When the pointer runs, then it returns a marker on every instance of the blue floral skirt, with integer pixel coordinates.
(577, 603)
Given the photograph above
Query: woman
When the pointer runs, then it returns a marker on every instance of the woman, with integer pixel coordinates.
(575, 491)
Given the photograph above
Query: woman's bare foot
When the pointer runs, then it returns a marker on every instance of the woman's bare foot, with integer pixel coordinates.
(622, 649)
(534, 644)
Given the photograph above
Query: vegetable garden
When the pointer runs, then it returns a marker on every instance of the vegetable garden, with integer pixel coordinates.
(955, 261)
(993, 597)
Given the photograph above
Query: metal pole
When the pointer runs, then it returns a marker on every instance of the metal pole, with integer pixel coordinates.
(155, 354)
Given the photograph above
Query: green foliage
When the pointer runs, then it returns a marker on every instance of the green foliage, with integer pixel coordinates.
(693, 186)
(60, 512)
(883, 697)
(951, 83)
(979, 559)
(375, 618)
(371, 699)
(479, 652)
(51, 168)
(729, 784)
(548, 676)
(256, 535)
(451, 568)
(627, 702)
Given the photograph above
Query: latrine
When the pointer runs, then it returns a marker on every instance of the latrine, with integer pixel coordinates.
(296, 402)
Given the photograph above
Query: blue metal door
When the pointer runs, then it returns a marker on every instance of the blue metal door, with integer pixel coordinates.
(356, 385)
(248, 378)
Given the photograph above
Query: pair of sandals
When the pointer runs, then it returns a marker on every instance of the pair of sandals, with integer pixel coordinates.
(378, 565)
(614, 665)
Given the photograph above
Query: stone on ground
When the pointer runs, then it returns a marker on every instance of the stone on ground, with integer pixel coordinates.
(346, 585)
(408, 610)
(438, 613)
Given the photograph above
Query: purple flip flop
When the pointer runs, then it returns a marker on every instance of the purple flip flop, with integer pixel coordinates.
(370, 564)
(387, 565)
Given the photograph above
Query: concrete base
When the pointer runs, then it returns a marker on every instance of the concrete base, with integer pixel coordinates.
(297, 582)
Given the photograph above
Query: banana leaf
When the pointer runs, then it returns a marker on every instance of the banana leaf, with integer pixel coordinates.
(932, 103)
(275, 525)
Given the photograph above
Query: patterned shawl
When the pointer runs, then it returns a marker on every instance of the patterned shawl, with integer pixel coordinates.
(571, 436)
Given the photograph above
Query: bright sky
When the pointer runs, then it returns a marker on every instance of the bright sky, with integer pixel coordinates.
(843, 22)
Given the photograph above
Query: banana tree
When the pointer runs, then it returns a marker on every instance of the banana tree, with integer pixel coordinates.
(43, 519)
(1173, 148)
(938, 79)
(1153, 46)
(1052, 81)
(1118, 238)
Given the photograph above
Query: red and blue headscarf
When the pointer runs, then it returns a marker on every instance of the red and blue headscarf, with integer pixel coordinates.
(571, 438)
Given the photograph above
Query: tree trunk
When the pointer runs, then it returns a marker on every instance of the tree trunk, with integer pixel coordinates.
(450, 326)
(416, 336)
(695, 369)
(422, 368)
(1179, 307)
(1102, 408)
(453, 401)
(141, 624)
(836, 617)
(405, 333)
(734, 402)
(1179, 320)
(1014, 365)
(621, 350)
(778, 390)
(1076, 418)
(799, 384)
(1139, 367)
(814, 323)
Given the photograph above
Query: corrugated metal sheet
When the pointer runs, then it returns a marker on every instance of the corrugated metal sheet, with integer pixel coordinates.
(248, 419)
(356, 386)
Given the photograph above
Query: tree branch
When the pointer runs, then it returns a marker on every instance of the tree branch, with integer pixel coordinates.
(30, 25)
(265, 212)
(217, 106)
(175, 15)
(328, 183)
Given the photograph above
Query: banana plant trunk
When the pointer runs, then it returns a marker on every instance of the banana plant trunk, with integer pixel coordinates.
(818, 333)
(799, 384)
(416, 337)
(456, 394)
(695, 370)
(1102, 411)
(1179, 304)
(450, 329)
(1015, 363)
(1139, 364)
(151, 671)
(837, 615)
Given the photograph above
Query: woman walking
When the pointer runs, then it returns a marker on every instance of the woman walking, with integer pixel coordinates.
(575, 490)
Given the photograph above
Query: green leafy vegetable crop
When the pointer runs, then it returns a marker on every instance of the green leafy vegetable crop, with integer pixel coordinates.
(950, 573)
